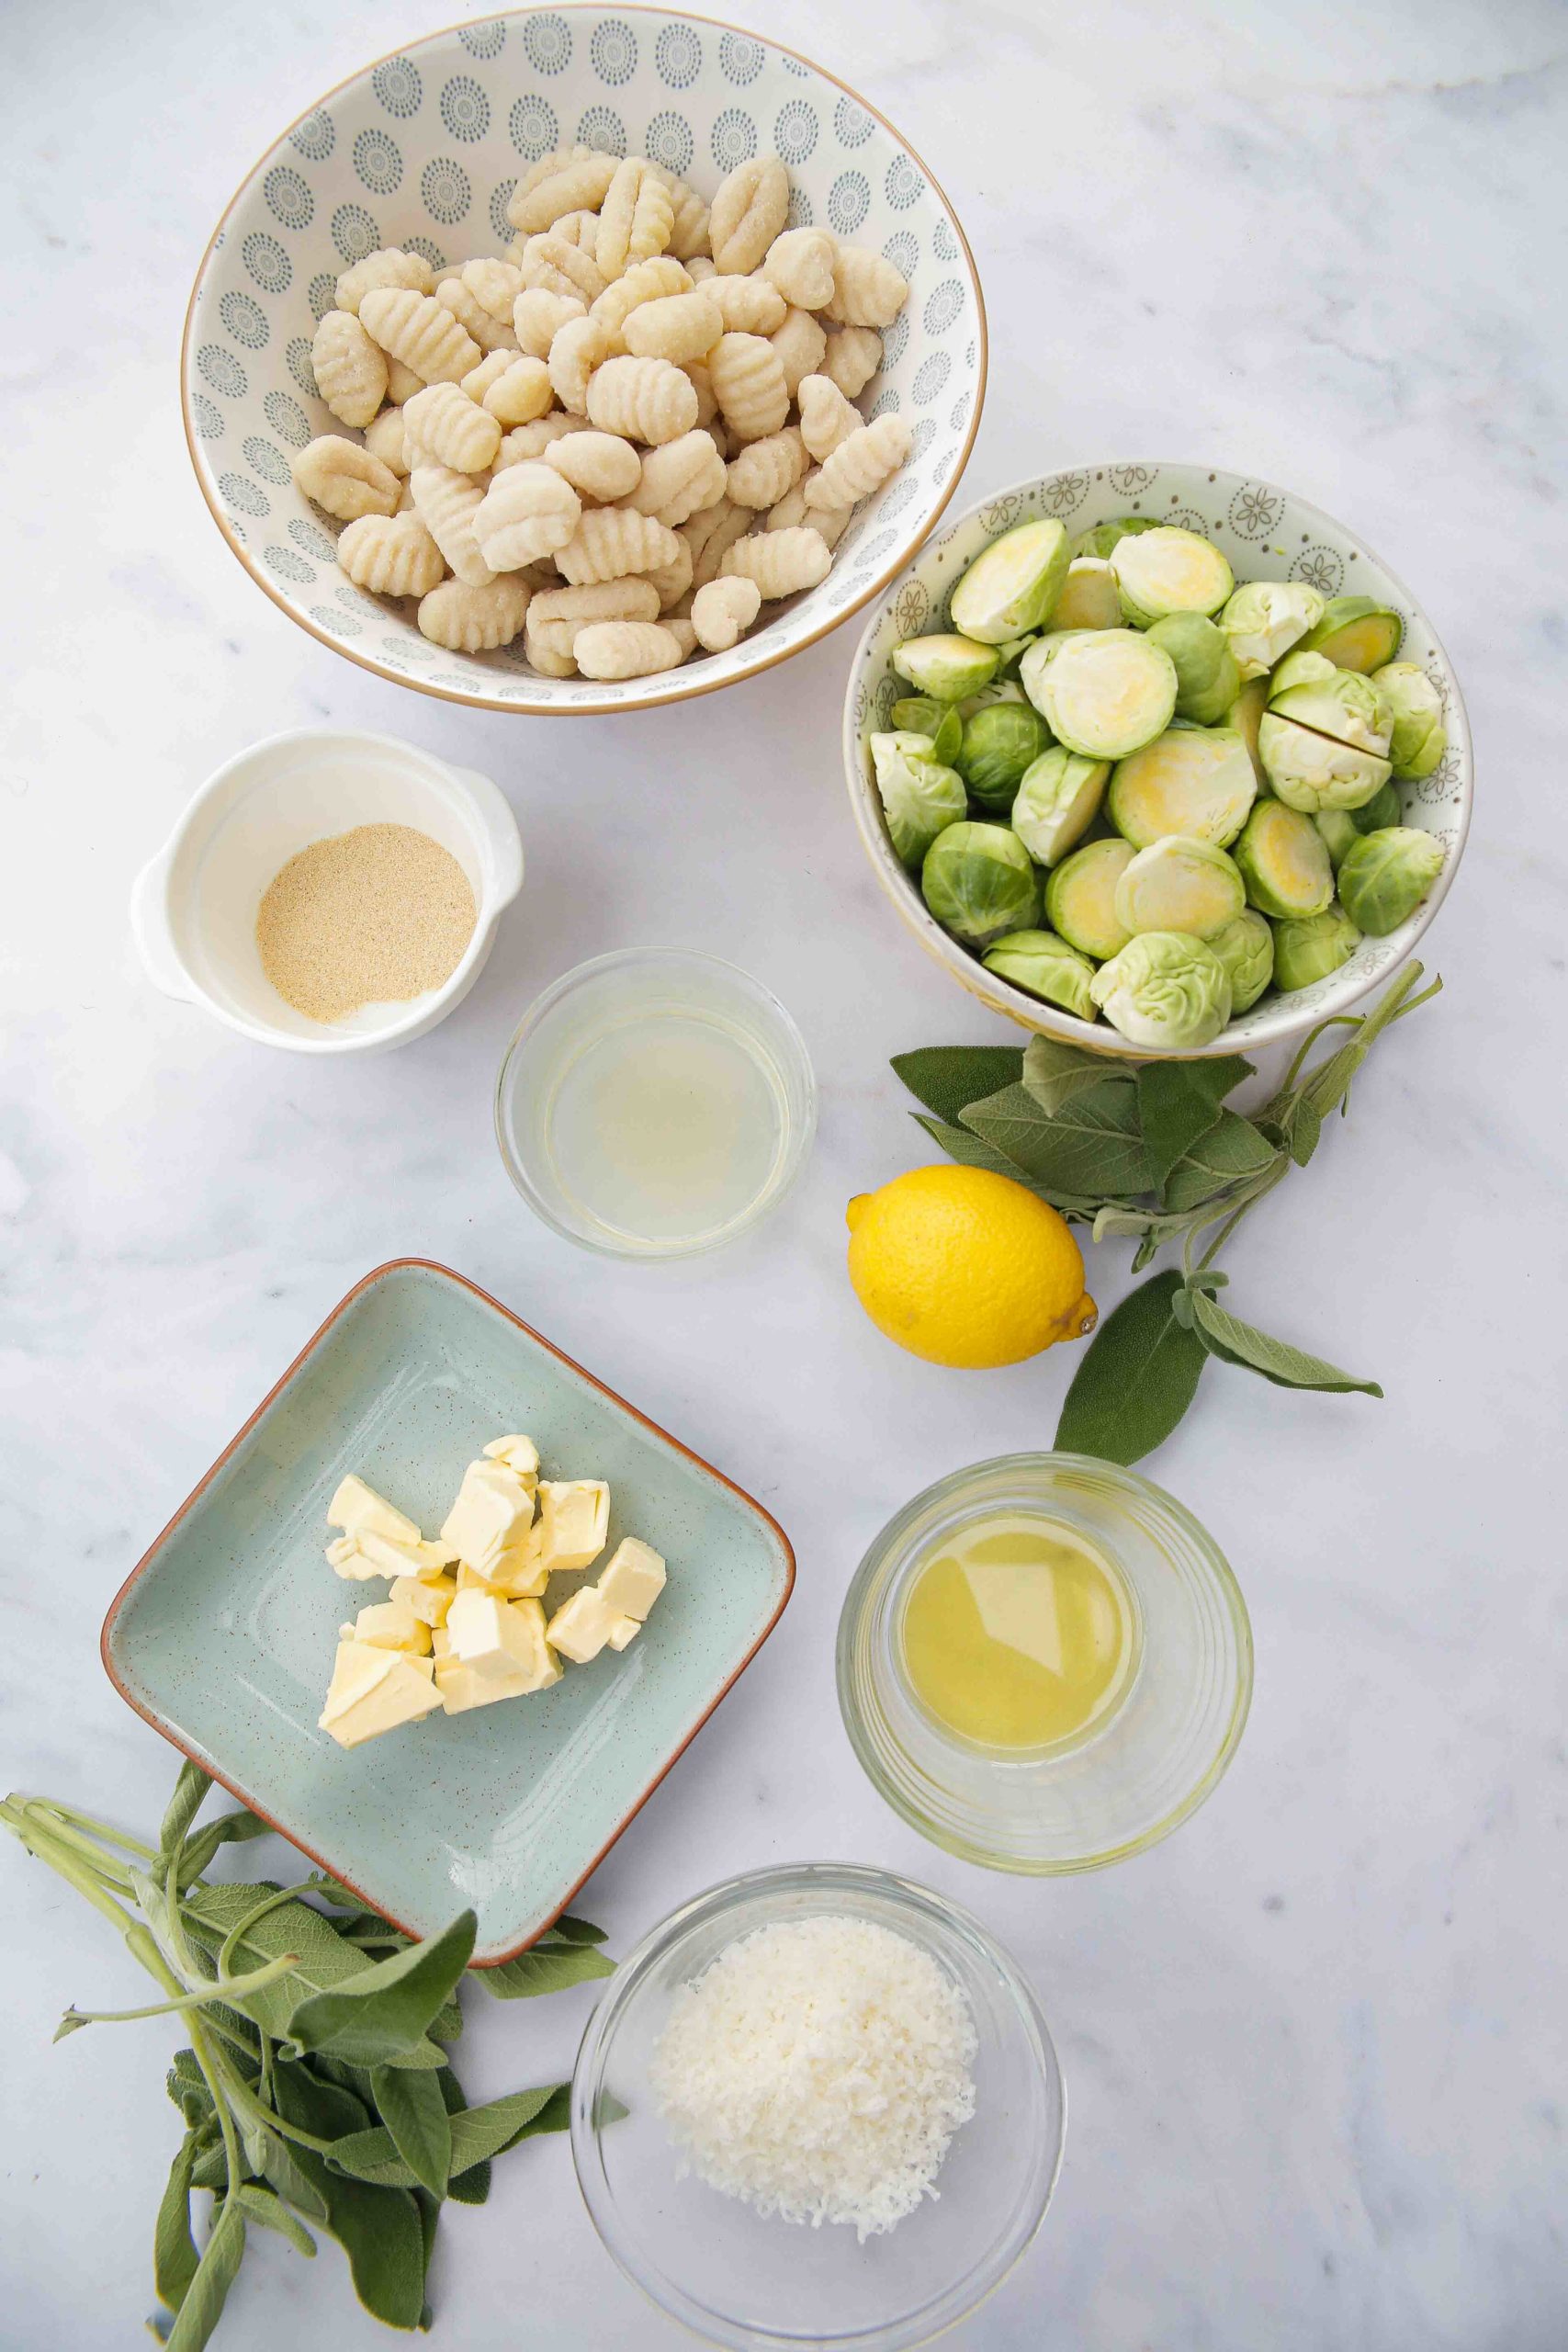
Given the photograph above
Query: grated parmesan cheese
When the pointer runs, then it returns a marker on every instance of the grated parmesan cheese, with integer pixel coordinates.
(817, 2069)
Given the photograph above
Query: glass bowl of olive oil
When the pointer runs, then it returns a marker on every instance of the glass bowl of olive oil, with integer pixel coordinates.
(1044, 1662)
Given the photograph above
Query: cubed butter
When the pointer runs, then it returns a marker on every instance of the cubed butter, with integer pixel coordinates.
(634, 1579)
(518, 1453)
(574, 1520)
(390, 1625)
(581, 1626)
(462, 1687)
(520, 1573)
(358, 1510)
(491, 1514)
(373, 1690)
(345, 1554)
(623, 1633)
(366, 1554)
(504, 1638)
(429, 1597)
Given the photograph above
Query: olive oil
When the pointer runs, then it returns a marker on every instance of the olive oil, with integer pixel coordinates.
(1016, 1634)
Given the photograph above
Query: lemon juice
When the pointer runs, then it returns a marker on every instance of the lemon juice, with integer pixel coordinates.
(1017, 1634)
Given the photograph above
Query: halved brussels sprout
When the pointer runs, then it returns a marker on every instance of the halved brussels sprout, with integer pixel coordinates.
(1381, 810)
(923, 714)
(1386, 875)
(1284, 862)
(979, 884)
(1245, 715)
(1177, 885)
(920, 796)
(1311, 772)
(1103, 692)
(1103, 536)
(1207, 680)
(1170, 571)
(1245, 948)
(1080, 898)
(1010, 589)
(947, 668)
(1418, 738)
(1339, 829)
(1265, 618)
(1088, 598)
(1310, 947)
(1316, 692)
(1356, 633)
(1057, 802)
(1045, 967)
(1165, 988)
(997, 746)
(1192, 780)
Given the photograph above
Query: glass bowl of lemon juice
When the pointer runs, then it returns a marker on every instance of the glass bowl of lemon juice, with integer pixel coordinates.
(655, 1102)
(1044, 1662)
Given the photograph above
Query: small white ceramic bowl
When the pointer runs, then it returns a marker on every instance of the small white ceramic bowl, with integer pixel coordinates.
(422, 149)
(194, 905)
(1268, 533)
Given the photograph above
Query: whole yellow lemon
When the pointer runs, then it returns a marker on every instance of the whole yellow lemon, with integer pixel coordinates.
(966, 1268)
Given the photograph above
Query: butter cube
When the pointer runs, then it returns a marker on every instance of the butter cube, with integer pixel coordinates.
(462, 1687)
(366, 1554)
(520, 1573)
(581, 1626)
(634, 1579)
(574, 1520)
(519, 1454)
(429, 1597)
(504, 1638)
(623, 1633)
(373, 1690)
(390, 1625)
(491, 1514)
(360, 1509)
(345, 1554)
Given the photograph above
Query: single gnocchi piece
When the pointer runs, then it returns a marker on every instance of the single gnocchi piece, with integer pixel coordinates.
(634, 218)
(527, 512)
(539, 316)
(800, 263)
(351, 374)
(527, 441)
(830, 523)
(863, 461)
(723, 611)
(390, 555)
(473, 620)
(547, 645)
(581, 347)
(867, 290)
(610, 540)
(749, 382)
(578, 228)
(826, 416)
(679, 479)
(677, 327)
(420, 332)
(689, 227)
(494, 285)
(710, 534)
(672, 582)
(781, 563)
(492, 367)
(574, 183)
(645, 282)
(747, 213)
(561, 269)
(632, 597)
(624, 650)
(522, 393)
(800, 344)
(489, 331)
(851, 359)
(746, 305)
(445, 422)
(597, 465)
(447, 499)
(345, 479)
(644, 399)
(384, 438)
(389, 266)
(765, 469)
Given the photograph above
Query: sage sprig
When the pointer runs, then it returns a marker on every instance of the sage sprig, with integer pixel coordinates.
(1153, 1150)
(316, 2091)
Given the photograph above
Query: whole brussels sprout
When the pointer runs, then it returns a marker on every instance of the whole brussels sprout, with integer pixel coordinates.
(1057, 802)
(978, 883)
(1009, 588)
(1309, 771)
(1196, 781)
(1177, 885)
(1088, 598)
(1309, 947)
(1207, 679)
(1170, 571)
(947, 668)
(998, 745)
(1419, 738)
(1340, 703)
(1337, 829)
(923, 714)
(1381, 811)
(1284, 862)
(1165, 988)
(920, 797)
(1356, 633)
(1101, 540)
(1265, 618)
(1245, 716)
(1103, 691)
(1245, 948)
(1080, 898)
(1385, 876)
(1043, 965)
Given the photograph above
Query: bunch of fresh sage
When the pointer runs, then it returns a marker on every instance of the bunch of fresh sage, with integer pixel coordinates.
(1151, 1150)
(318, 2087)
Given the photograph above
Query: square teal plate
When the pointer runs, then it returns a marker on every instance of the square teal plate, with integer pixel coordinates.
(222, 1636)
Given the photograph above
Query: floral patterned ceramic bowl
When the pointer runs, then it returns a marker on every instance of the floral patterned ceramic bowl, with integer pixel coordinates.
(424, 150)
(1266, 534)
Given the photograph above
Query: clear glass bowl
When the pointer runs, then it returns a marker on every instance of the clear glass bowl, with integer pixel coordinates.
(1135, 1775)
(768, 2285)
(655, 1102)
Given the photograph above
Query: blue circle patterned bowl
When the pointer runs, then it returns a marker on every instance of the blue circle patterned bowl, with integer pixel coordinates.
(423, 149)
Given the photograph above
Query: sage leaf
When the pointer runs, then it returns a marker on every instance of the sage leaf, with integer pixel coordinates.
(1054, 1073)
(291, 2182)
(211, 2169)
(1232, 1152)
(380, 2232)
(447, 2024)
(175, 2258)
(1180, 1102)
(260, 2205)
(478, 2134)
(947, 1079)
(190, 1795)
(384, 2010)
(1241, 1343)
(325, 2108)
(1306, 1128)
(414, 2113)
(202, 2307)
(472, 2186)
(969, 1150)
(1135, 1379)
(545, 1968)
(568, 1930)
(1089, 1148)
(229, 1830)
(323, 1961)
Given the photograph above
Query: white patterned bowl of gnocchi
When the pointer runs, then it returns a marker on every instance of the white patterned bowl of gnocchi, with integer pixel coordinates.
(583, 359)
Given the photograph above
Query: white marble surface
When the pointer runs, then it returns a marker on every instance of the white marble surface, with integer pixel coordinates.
(1314, 2043)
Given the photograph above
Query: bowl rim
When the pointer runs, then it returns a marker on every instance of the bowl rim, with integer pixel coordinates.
(916, 1903)
(1031, 1012)
(172, 1733)
(657, 696)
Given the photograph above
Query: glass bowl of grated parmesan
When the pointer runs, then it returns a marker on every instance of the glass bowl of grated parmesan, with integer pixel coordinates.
(817, 2106)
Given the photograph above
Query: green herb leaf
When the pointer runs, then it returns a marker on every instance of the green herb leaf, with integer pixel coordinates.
(568, 1930)
(1054, 1073)
(384, 2010)
(229, 1830)
(545, 1968)
(190, 1795)
(260, 2205)
(1180, 1102)
(381, 2232)
(202, 2306)
(290, 2181)
(1240, 1343)
(447, 2024)
(1306, 1129)
(1088, 1148)
(969, 1150)
(947, 1079)
(1232, 1152)
(478, 2134)
(175, 2258)
(414, 2113)
(324, 1960)
(302, 2096)
(1135, 1379)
